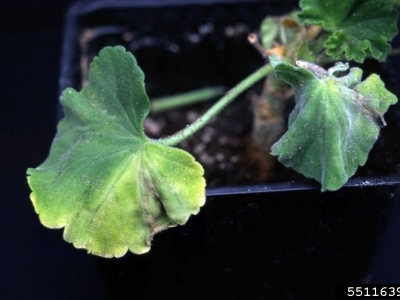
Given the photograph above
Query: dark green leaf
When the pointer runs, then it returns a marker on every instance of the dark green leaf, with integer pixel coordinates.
(358, 28)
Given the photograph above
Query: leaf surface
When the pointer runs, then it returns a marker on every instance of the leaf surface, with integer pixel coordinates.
(110, 186)
(334, 124)
(358, 28)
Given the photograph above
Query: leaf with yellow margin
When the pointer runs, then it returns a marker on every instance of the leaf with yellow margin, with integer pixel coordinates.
(110, 186)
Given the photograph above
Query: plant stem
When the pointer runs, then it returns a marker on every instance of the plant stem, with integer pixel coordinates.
(217, 107)
(167, 103)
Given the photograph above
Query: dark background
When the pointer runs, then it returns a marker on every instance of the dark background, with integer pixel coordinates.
(35, 262)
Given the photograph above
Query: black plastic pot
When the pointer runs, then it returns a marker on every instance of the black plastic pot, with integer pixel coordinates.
(274, 241)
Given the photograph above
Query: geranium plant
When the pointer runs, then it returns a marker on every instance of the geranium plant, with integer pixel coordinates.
(113, 188)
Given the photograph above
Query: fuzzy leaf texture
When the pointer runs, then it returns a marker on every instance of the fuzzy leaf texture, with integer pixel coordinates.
(110, 186)
(357, 28)
(335, 122)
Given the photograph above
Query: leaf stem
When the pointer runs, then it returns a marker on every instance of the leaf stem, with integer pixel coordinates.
(170, 102)
(217, 107)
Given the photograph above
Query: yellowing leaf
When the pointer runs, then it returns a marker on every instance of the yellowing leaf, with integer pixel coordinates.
(110, 186)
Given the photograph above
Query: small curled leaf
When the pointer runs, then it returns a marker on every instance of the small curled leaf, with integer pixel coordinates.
(335, 122)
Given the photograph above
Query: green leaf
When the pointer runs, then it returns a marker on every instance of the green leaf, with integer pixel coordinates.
(283, 30)
(335, 122)
(269, 31)
(110, 186)
(358, 28)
